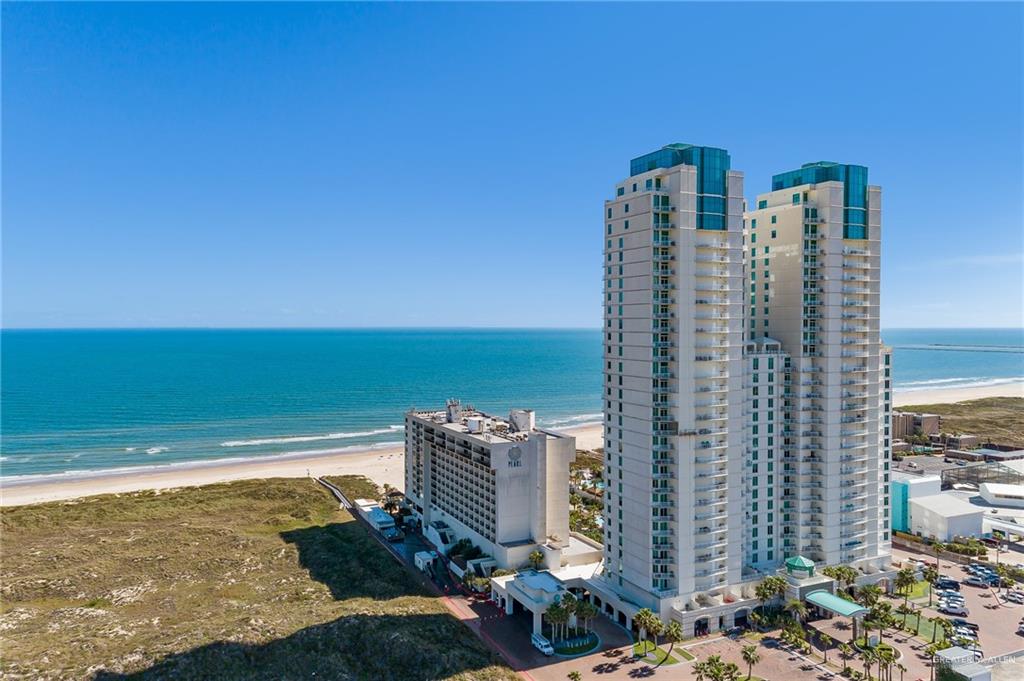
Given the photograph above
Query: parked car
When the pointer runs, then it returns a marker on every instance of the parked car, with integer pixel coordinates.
(1014, 598)
(954, 609)
(947, 584)
(542, 644)
(957, 622)
(975, 581)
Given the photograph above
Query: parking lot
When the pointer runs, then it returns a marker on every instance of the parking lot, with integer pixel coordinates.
(997, 621)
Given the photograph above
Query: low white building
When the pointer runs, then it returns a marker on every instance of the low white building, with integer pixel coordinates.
(998, 494)
(943, 516)
(374, 514)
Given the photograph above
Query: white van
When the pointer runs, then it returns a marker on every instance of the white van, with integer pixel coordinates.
(542, 644)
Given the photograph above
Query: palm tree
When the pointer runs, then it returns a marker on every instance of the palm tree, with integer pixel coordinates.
(755, 620)
(656, 627)
(731, 672)
(846, 653)
(569, 605)
(557, 616)
(882, 614)
(886, 658)
(930, 574)
(826, 642)
(867, 657)
(673, 634)
(751, 657)
(901, 669)
(770, 587)
(938, 547)
(868, 595)
(642, 619)
(712, 669)
(574, 675)
(586, 611)
(930, 652)
(905, 582)
(797, 610)
(936, 625)
(535, 558)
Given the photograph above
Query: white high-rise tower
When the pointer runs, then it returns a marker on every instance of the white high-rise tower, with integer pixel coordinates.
(673, 342)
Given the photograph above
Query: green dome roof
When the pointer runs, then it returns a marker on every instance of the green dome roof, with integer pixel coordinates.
(799, 563)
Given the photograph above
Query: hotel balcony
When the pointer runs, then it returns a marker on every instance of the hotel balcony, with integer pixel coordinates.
(662, 399)
(711, 300)
(712, 244)
(712, 357)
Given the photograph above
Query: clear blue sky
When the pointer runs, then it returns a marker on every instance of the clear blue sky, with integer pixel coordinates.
(438, 165)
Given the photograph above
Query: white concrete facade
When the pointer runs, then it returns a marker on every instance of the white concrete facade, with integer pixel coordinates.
(747, 395)
(501, 483)
(815, 288)
(673, 383)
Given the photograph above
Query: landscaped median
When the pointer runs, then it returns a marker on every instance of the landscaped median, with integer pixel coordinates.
(646, 650)
(580, 645)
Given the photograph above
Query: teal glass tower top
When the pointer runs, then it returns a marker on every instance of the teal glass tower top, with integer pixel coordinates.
(823, 171)
(712, 168)
(855, 190)
(712, 164)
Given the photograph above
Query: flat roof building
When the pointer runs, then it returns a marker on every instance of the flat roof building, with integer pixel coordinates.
(999, 494)
(501, 483)
(942, 517)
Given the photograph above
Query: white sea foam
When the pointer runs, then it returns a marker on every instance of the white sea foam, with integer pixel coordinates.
(940, 381)
(310, 438)
(943, 384)
(578, 420)
(156, 450)
(14, 480)
(129, 449)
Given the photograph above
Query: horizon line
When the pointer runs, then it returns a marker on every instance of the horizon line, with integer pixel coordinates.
(419, 328)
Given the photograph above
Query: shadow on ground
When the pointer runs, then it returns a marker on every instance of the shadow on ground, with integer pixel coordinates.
(399, 641)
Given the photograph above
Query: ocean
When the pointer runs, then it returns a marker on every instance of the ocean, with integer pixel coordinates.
(76, 402)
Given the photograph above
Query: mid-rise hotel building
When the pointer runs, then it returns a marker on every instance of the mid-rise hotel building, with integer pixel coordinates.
(501, 483)
(745, 386)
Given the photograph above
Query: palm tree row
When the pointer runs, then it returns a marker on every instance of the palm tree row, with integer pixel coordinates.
(649, 623)
(559, 614)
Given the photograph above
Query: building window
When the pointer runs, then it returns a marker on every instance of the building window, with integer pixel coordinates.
(762, 204)
(796, 198)
(621, 191)
(773, 233)
(775, 218)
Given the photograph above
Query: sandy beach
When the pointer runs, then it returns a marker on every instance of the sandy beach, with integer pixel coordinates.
(950, 395)
(383, 466)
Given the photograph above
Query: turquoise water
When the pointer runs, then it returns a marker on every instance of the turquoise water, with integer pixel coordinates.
(80, 401)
